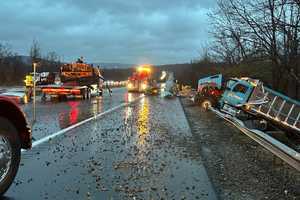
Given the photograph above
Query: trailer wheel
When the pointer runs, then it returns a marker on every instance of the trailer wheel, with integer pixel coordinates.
(10, 153)
(44, 98)
(207, 103)
(83, 93)
(261, 124)
(88, 94)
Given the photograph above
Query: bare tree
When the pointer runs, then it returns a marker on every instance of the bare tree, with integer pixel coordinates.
(5, 51)
(267, 29)
(10, 70)
(51, 62)
(35, 51)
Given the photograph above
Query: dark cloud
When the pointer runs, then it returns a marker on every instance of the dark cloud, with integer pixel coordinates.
(153, 31)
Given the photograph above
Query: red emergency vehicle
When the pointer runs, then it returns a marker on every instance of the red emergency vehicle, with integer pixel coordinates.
(139, 81)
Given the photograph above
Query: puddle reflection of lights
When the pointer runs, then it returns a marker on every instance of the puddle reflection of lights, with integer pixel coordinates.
(73, 115)
(143, 122)
(128, 112)
(129, 97)
(97, 106)
(143, 101)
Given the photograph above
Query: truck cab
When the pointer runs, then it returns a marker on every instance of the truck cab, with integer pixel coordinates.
(237, 92)
(209, 91)
(211, 81)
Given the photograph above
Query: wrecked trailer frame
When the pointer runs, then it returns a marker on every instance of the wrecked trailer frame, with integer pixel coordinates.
(277, 108)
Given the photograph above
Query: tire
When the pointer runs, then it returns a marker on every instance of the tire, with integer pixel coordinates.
(83, 93)
(43, 98)
(207, 103)
(8, 138)
(88, 94)
(261, 124)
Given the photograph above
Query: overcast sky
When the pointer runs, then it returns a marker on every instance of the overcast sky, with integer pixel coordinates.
(133, 31)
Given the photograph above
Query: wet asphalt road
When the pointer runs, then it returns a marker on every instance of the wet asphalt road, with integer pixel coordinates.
(142, 151)
(52, 116)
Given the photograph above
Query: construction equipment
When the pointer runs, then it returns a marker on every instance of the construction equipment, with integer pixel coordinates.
(81, 73)
(74, 79)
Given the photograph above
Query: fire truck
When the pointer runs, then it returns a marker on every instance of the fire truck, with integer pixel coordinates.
(140, 80)
(14, 136)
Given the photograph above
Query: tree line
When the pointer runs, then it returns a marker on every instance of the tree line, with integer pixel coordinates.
(9, 62)
(14, 67)
(260, 32)
(256, 38)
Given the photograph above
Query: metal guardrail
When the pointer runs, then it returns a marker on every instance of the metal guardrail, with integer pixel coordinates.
(282, 151)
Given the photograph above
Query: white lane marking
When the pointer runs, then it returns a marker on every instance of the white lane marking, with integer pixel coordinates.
(47, 138)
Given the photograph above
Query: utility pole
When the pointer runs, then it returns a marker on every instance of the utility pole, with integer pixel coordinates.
(34, 92)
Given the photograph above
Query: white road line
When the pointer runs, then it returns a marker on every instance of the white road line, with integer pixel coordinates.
(45, 139)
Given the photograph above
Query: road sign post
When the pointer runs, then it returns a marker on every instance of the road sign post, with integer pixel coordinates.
(34, 92)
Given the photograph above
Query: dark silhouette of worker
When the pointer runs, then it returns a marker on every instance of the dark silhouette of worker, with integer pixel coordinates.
(80, 60)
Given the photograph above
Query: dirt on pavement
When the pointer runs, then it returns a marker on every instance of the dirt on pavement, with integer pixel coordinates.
(238, 167)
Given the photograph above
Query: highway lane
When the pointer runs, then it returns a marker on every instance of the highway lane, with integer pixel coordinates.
(53, 116)
(142, 151)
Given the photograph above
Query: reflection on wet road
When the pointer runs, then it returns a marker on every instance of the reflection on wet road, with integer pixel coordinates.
(70, 117)
(143, 120)
(54, 116)
(142, 151)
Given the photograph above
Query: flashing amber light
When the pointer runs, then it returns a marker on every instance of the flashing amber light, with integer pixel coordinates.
(144, 68)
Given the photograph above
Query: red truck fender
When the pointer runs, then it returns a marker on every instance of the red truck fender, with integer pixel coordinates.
(12, 112)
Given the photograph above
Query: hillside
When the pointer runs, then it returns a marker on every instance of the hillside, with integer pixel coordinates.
(13, 70)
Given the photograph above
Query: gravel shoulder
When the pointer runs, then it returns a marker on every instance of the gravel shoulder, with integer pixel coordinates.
(237, 166)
